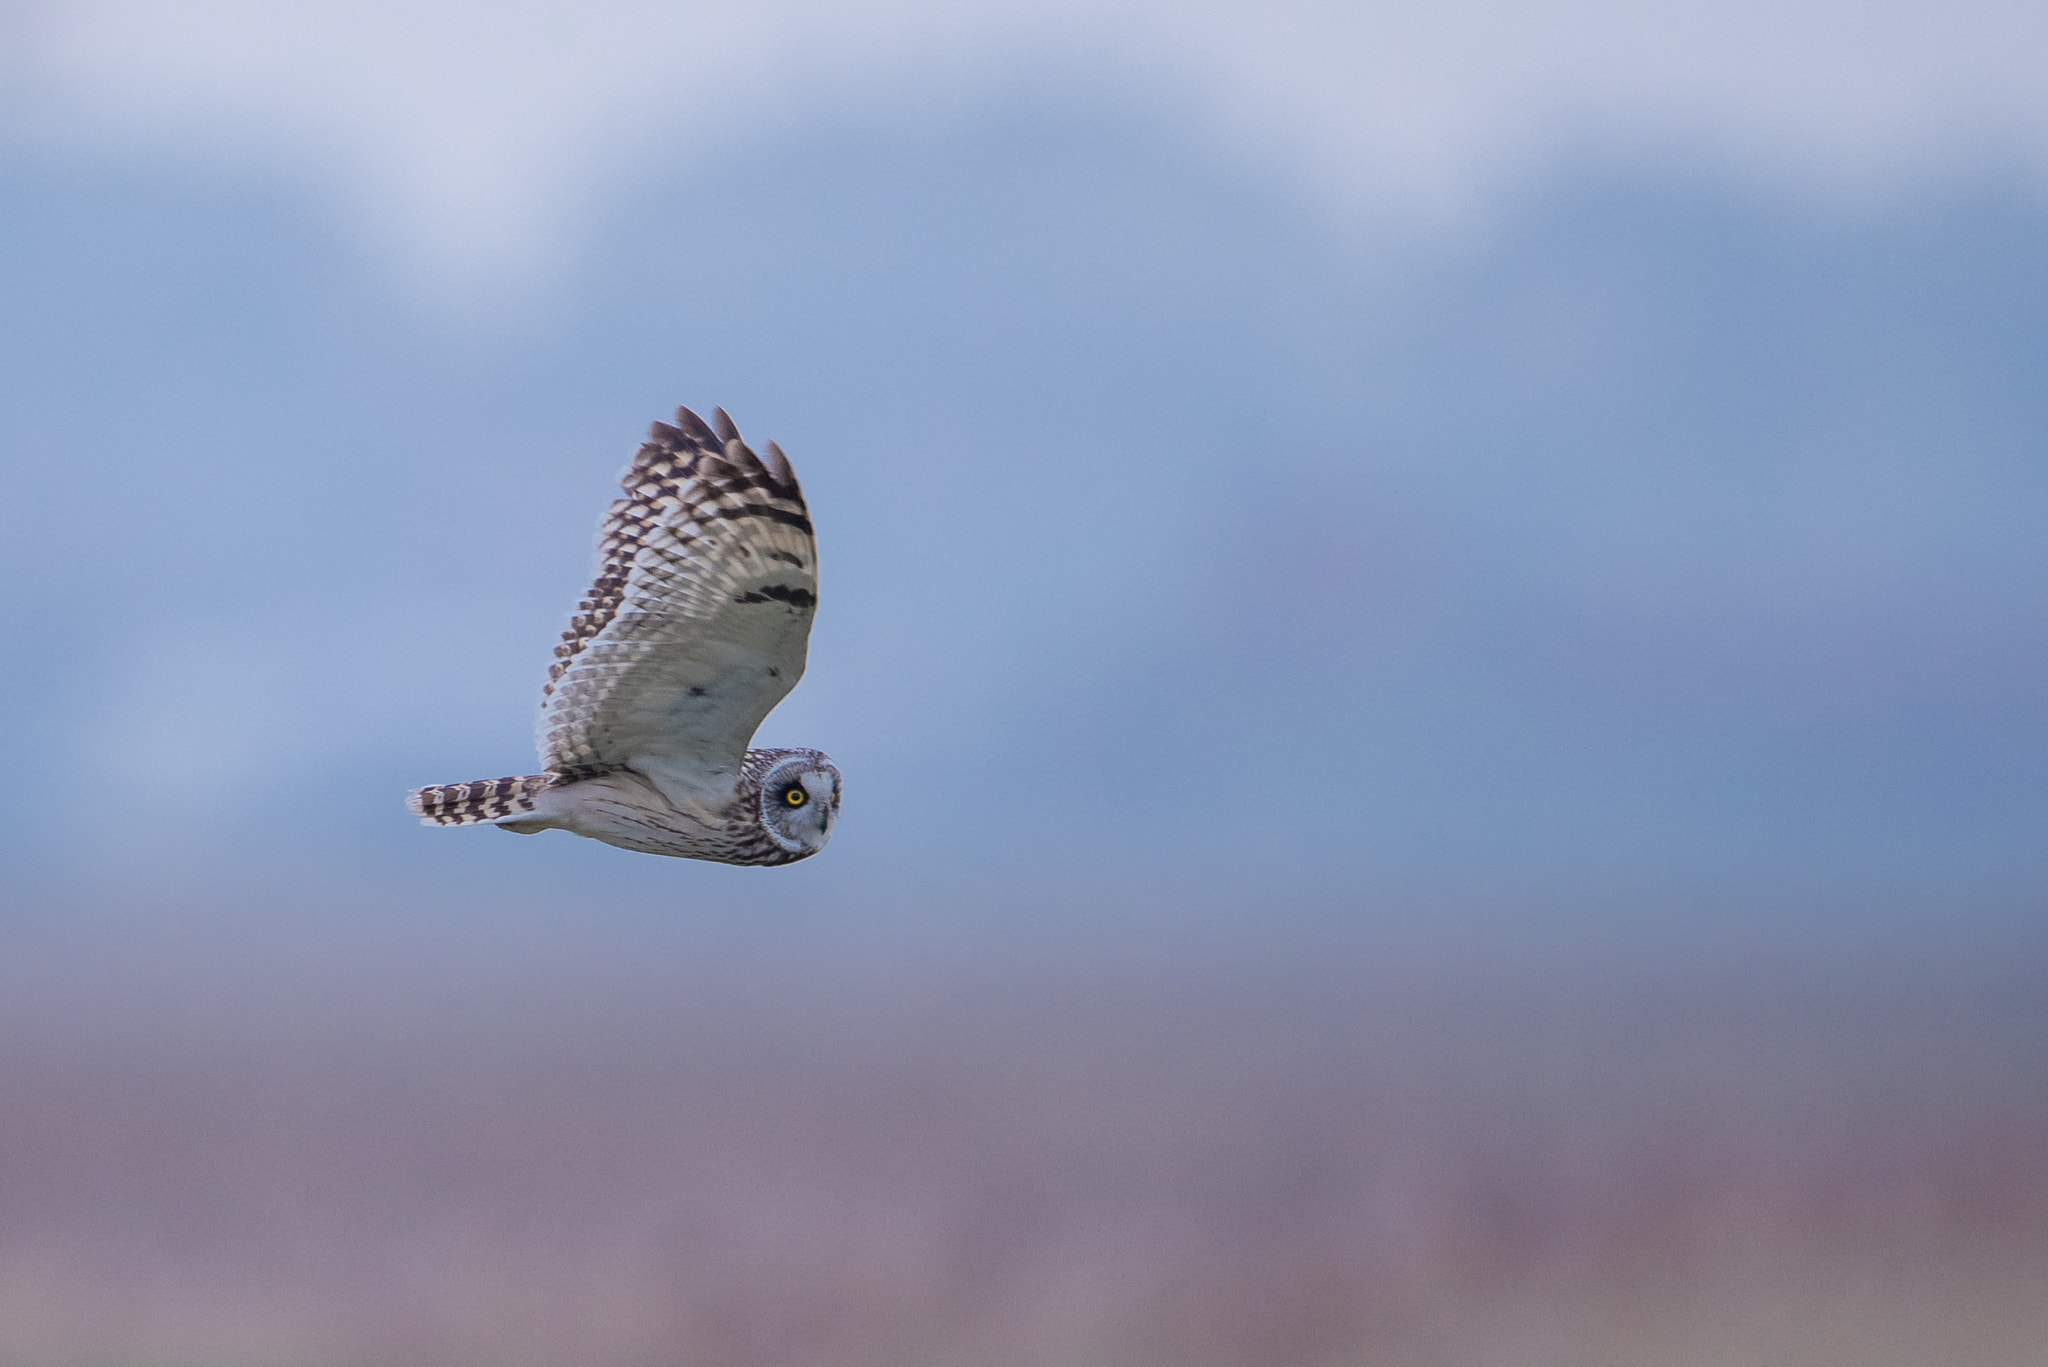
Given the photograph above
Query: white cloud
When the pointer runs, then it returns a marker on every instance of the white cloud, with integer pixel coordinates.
(464, 135)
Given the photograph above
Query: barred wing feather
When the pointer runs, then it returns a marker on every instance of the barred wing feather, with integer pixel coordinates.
(699, 620)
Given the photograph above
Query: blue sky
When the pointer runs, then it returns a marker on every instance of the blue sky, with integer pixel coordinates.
(1232, 482)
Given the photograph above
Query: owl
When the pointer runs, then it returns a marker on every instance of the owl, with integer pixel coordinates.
(697, 626)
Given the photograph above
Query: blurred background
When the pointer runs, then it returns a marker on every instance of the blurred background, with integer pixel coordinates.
(1436, 618)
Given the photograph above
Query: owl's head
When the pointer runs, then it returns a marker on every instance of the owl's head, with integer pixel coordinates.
(800, 801)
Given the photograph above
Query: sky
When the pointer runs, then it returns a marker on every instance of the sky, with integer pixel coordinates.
(1307, 455)
(1435, 618)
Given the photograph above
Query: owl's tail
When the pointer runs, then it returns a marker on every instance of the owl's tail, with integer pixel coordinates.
(466, 804)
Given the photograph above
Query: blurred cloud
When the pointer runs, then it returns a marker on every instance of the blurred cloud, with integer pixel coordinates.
(470, 140)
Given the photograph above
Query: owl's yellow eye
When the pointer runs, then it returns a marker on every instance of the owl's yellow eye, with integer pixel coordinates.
(796, 797)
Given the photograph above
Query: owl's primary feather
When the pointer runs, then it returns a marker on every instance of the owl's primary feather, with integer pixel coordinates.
(696, 627)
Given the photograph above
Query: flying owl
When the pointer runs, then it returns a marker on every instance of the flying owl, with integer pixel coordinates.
(696, 627)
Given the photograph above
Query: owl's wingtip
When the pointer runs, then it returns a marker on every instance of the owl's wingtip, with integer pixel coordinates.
(694, 426)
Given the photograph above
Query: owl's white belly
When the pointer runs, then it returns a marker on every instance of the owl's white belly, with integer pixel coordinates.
(622, 808)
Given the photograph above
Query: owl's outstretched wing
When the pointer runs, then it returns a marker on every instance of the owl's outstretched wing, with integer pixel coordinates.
(699, 620)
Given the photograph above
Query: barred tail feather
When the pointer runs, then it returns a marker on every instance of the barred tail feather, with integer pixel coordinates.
(466, 804)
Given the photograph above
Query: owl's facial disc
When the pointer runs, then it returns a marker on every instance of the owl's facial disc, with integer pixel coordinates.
(800, 804)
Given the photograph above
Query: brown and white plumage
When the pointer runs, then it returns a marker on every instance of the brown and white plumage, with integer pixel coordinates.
(696, 627)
